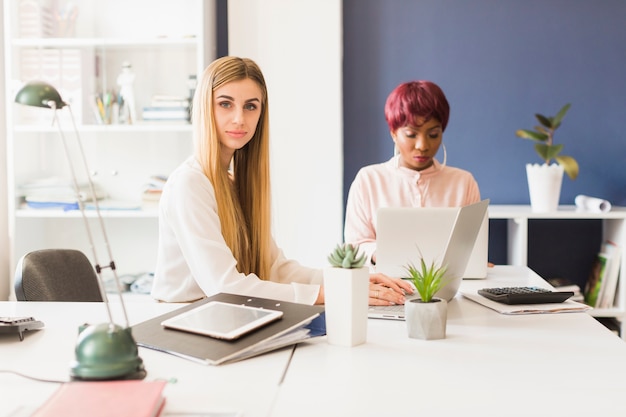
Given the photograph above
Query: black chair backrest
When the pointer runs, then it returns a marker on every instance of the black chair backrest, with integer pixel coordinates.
(56, 275)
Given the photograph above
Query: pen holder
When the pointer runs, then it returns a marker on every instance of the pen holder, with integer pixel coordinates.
(346, 298)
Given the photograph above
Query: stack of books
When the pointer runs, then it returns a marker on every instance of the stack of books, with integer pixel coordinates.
(153, 189)
(56, 193)
(167, 108)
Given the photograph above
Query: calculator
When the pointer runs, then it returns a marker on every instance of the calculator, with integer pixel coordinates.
(525, 295)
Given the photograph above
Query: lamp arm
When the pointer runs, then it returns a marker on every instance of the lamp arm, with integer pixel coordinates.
(98, 267)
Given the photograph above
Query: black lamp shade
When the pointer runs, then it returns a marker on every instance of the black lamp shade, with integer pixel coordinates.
(39, 94)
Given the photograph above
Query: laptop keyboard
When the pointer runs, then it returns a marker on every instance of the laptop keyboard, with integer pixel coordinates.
(396, 308)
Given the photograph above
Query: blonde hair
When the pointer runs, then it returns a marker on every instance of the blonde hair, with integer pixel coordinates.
(243, 200)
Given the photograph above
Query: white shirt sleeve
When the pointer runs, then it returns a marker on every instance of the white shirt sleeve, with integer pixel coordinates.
(193, 260)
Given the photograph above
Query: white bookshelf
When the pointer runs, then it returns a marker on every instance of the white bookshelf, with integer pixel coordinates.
(165, 41)
(613, 228)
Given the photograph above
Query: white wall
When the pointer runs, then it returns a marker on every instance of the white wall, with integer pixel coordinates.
(298, 45)
(4, 217)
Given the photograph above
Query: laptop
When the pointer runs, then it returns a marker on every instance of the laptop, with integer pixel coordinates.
(446, 236)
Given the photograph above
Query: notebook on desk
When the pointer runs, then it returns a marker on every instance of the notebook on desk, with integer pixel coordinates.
(446, 236)
(299, 322)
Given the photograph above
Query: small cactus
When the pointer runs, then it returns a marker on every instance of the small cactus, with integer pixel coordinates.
(346, 256)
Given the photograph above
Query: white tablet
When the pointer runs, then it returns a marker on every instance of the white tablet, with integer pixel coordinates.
(222, 320)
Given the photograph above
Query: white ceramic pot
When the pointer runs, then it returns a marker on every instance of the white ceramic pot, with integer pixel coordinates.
(544, 186)
(426, 321)
(346, 294)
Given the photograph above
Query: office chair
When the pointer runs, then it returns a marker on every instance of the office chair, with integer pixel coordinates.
(56, 275)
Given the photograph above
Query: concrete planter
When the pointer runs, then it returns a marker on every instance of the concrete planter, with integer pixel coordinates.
(426, 321)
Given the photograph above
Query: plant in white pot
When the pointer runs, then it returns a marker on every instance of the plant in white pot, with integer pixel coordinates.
(427, 315)
(346, 290)
(545, 180)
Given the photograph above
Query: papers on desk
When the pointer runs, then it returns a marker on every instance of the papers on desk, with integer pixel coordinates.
(567, 306)
(300, 322)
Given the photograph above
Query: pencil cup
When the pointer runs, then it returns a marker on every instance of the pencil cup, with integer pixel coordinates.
(346, 298)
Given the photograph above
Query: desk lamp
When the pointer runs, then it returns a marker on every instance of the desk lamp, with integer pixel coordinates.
(103, 351)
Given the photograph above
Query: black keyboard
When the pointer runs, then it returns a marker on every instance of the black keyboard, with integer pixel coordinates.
(525, 295)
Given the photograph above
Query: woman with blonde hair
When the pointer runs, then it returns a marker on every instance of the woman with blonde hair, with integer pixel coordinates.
(214, 213)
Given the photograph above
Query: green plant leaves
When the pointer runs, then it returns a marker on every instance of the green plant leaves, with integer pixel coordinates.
(532, 135)
(545, 147)
(548, 152)
(556, 122)
(569, 164)
(346, 256)
(545, 121)
(428, 279)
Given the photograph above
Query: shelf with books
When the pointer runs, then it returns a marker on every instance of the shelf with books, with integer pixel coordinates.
(83, 61)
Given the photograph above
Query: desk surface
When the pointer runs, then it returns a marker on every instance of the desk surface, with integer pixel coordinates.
(489, 365)
(249, 386)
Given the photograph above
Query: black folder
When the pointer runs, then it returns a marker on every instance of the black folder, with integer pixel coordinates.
(300, 322)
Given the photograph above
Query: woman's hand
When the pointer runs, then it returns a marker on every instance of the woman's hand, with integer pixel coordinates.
(385, 291)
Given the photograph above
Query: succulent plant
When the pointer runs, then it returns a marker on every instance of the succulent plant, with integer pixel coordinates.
(543, 135)
(346, 256)
(428, 279)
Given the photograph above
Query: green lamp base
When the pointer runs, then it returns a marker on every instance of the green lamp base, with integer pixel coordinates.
(106, 352)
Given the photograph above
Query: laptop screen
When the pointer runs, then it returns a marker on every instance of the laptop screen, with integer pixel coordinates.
(405, 235)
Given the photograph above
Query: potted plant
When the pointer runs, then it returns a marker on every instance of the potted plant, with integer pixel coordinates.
(426, 316)
(346, 290)
(544, 181)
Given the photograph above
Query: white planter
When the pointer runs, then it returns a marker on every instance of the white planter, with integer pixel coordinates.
(544, 186)
(346, 294)
(426, 321)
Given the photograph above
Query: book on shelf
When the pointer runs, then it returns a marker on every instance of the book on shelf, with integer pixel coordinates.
(105, 398)
(594, 281)
(165, 113)
(169, 101)
(612, 251)
(153, 188)
(603, 280)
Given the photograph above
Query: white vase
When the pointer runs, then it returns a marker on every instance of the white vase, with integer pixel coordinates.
(426, 321)
(346, 294)
(544, 186)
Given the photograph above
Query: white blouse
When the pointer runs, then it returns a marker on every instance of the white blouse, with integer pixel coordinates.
(193, 260)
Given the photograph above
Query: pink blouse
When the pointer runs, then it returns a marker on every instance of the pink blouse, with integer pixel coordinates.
(389, 185)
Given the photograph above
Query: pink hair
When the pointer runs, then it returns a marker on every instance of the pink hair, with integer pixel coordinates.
(410, 100)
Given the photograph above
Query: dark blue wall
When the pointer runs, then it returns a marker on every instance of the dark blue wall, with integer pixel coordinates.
(499, 62)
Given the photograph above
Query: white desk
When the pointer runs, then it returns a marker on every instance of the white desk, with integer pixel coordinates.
(250, 386)
(488, 365)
